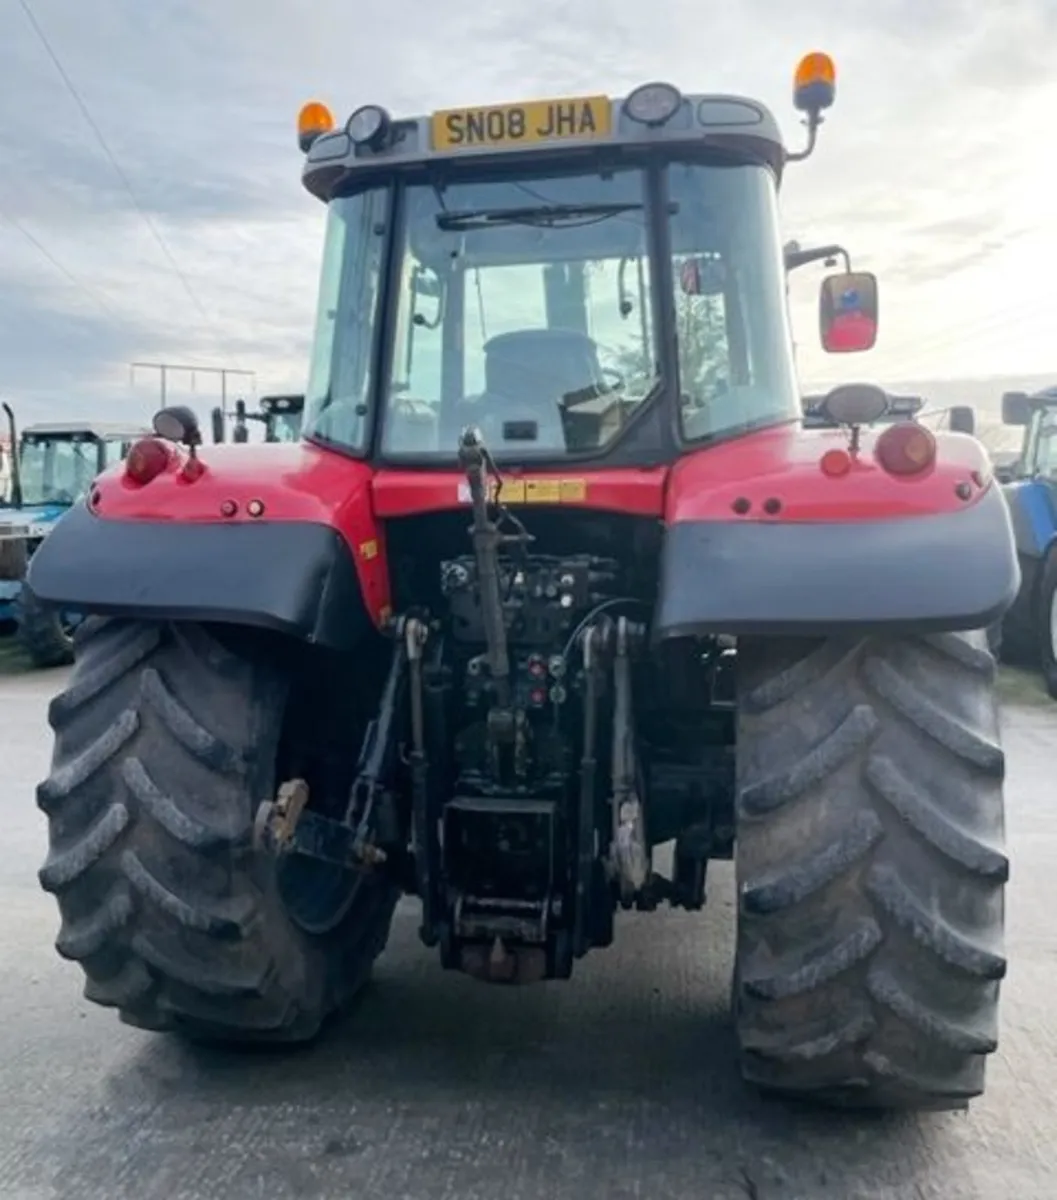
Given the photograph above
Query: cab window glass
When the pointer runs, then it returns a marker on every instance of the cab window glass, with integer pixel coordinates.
(341, 370)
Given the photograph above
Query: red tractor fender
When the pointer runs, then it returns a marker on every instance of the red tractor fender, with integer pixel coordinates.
(759, 537)
(279, 535)
(762, 539)
(776, 475)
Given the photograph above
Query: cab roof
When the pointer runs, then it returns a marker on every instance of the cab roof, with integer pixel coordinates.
(104, 431)
(479, 134)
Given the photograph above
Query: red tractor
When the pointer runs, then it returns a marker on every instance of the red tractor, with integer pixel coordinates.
(556, 601)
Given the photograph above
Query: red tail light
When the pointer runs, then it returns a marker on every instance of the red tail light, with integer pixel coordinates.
(147, 459)
(835, 463)
(906, 448)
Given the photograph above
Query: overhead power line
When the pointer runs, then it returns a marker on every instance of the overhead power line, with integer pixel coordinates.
(104, 146)
(39, 246)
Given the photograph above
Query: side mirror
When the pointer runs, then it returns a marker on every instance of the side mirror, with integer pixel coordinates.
(847, 312)
(218, 425)
(963, 419)
(1016, 408)
(702, 276)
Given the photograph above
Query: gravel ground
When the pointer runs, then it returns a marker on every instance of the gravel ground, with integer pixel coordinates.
(619, 1084)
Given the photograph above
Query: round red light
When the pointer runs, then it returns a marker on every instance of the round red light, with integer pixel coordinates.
(906, 448)
(835, 463)
(146, 460)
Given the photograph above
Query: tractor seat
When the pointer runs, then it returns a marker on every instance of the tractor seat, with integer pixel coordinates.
(530, 372)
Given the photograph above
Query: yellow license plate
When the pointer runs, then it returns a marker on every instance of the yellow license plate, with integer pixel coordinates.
(522, 124)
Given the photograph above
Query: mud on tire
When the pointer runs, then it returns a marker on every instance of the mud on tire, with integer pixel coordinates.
(165, 744)
(870, 868)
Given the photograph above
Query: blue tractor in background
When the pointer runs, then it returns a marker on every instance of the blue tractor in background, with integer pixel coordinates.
(51, 467)
(1029, 628)
(281, 417)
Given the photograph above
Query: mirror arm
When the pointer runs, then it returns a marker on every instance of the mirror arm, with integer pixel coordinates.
(795, 258)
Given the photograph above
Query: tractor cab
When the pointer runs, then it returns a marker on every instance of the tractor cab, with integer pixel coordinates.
(48, 467)
(581, 280)
(281, 417)
(1029, 478)
(57, 461)
(1036, 456)
(52, 468)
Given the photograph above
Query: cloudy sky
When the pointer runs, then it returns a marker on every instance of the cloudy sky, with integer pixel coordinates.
(195, 242)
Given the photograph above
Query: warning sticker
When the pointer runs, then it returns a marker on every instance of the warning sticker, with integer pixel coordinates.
(548, 490)
(573, 491)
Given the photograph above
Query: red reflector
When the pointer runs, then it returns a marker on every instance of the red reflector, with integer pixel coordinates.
(835, 463)
(146, 460)
(906, 448)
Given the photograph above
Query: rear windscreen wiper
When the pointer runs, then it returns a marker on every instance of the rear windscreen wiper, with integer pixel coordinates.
(543, 214)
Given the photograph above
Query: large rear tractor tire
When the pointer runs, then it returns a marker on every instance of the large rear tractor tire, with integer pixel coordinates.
(45, 634)
(166, 742)
(1047, 624)
(870, 868)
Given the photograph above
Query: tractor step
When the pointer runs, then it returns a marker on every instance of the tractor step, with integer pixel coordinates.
(285, 826)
